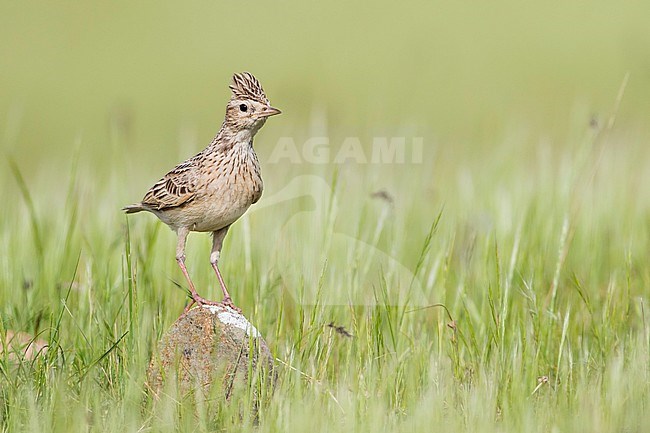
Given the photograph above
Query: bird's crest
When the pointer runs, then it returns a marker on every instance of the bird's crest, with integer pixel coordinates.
(246, 86)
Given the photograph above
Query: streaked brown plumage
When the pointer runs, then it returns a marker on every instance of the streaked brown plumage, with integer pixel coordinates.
(211, 190)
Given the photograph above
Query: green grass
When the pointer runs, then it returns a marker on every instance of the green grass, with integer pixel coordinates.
(536, 250)
(505, 288)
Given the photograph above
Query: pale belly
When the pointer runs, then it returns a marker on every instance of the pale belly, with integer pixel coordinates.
(216, 206)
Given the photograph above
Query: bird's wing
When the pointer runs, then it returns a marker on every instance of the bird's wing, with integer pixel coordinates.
(176, 188)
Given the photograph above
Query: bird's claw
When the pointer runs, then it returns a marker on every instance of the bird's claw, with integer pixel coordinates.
(227, 302)
(198, 300)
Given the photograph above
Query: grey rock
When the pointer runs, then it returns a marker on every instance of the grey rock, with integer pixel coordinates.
(216, 351)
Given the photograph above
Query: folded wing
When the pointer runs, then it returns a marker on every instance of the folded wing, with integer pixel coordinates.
(175, 189)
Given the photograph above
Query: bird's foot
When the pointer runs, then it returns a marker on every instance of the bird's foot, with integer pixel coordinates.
(227, 302)
(200, 301)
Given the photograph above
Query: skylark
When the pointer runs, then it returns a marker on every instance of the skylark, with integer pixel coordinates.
(211, 190)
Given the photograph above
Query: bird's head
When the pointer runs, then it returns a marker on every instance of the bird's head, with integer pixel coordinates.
(248, 107)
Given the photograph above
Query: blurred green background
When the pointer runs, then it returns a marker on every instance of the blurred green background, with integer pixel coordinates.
(84, 72)
(125, 90)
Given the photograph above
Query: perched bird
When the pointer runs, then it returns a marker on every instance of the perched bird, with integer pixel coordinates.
(211, 190)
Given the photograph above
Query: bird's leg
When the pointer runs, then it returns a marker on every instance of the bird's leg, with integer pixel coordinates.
(217, 242)
(180, 258)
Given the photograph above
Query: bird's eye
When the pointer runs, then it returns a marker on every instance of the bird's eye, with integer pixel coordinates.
(243, 108)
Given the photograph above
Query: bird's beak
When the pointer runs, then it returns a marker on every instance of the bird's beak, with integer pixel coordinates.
(269, 111)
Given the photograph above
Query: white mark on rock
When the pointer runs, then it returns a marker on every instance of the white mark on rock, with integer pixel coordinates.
(229, 316)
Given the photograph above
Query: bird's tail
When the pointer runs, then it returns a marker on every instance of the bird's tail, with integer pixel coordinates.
(133, 208)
